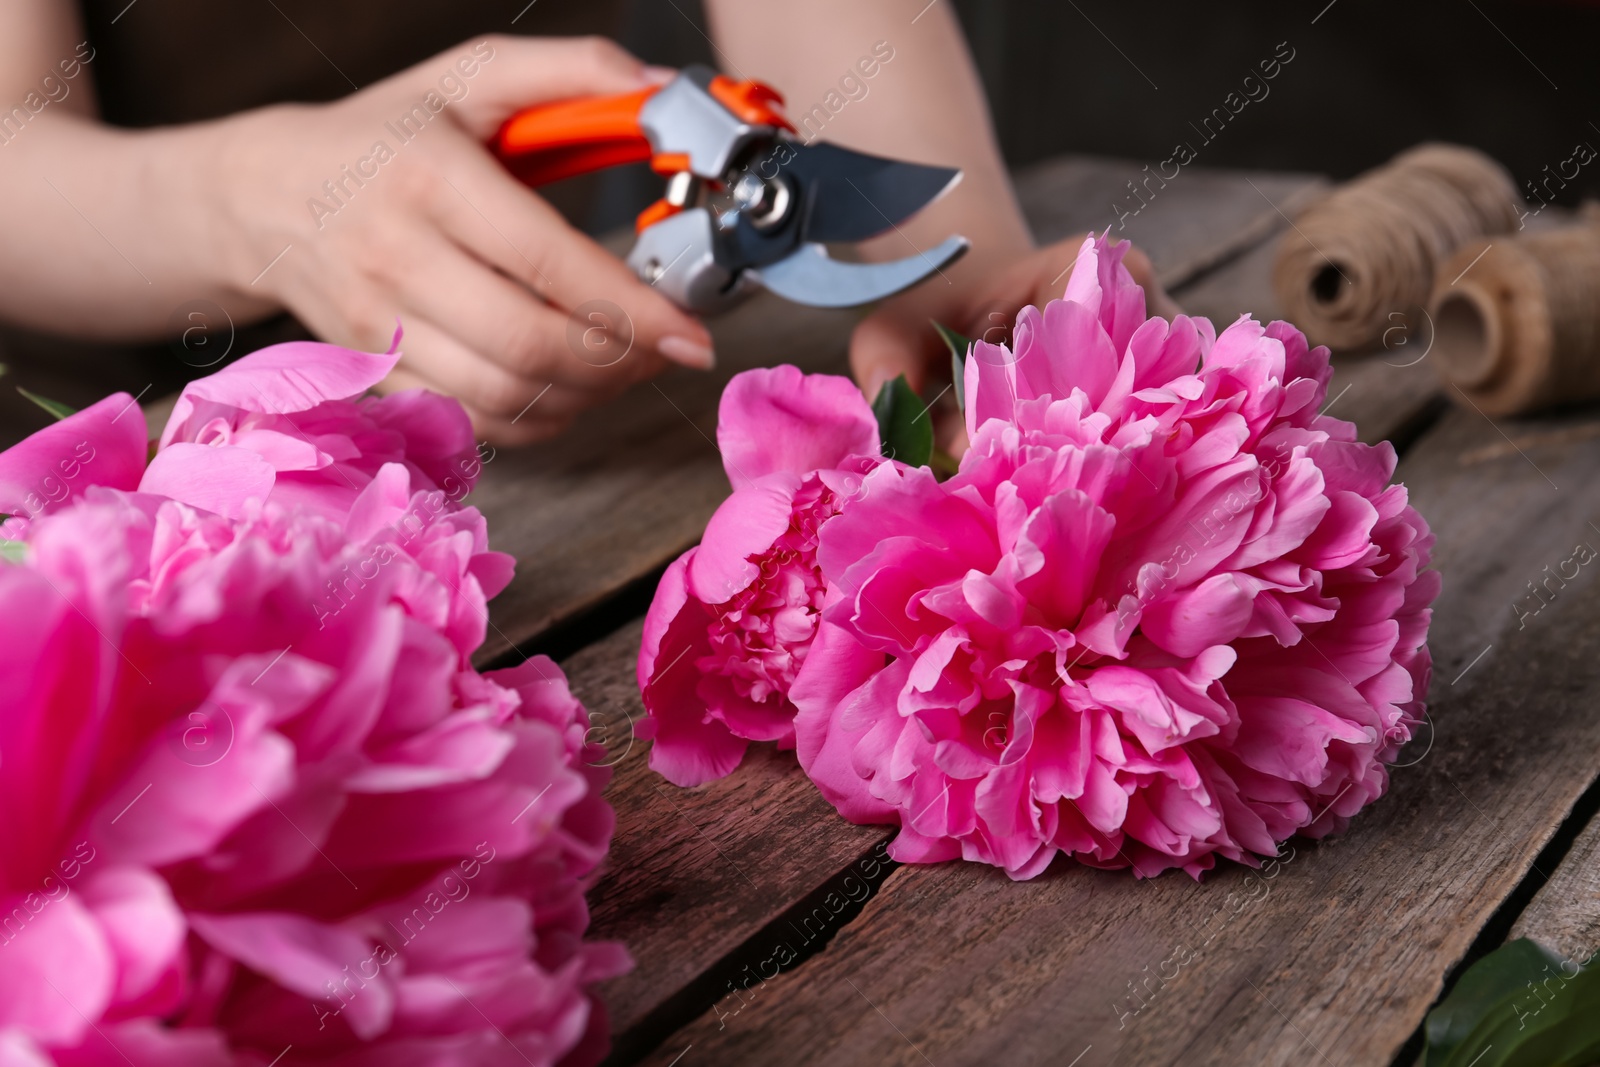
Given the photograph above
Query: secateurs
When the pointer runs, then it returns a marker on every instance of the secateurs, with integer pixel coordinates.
(747, 205)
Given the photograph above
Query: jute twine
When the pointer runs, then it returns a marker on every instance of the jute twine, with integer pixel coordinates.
(1519, 331)
(1363, 259)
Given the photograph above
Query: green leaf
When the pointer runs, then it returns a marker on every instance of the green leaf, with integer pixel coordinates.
(905, 429)
(1520, 1005)
(1571, 1038)
(54, 407)
(1500, 975)
(13, 551)
(959, 346)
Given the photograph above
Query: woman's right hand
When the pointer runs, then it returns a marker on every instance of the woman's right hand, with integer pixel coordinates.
(386, 205)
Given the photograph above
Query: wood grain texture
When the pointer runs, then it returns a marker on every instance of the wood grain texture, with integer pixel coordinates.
(1187, 225)
(694, 873)
(633, 483)
(1565, 913)
(1340, 959)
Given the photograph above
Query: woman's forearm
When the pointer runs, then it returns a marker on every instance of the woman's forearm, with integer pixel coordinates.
(923, 102)
(110, 230)
(107, 231)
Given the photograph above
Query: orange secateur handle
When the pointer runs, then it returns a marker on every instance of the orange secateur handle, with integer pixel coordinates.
(549, 142)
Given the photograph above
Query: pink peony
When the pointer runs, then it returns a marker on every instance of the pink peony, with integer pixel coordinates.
(256, 795)
(736, 614)
(290, 423)
(1164, 612)
(104, 444)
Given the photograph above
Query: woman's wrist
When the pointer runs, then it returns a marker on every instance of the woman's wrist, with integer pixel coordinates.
(243, 225)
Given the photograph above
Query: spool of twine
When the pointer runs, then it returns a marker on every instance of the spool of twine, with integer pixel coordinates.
(1519, 331)
(1368, 252)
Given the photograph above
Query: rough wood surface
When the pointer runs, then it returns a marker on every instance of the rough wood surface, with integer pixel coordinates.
(1341, 958)
(1565, 914)
(694, 873)
(634, 482)
(1187, 226)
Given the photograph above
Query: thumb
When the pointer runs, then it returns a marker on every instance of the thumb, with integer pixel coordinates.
(489, 79)
(890, 343)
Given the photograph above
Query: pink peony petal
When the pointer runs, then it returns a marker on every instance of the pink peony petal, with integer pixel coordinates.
(104, 444)
(280, 380)
(59, 972)
(747, 524)
(305, 957)
(222, 478)
(437, 433)
(1214, 612)
(777, 419)
(144, 930)
(690, 747)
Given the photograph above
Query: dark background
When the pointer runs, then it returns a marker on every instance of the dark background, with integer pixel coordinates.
(1109, 77)
(1369, 78)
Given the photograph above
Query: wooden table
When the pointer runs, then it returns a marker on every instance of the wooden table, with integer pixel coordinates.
(1485, 832)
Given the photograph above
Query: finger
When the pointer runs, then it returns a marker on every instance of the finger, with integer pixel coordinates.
(950, 432)
(495, 217)
(1157, 302)
(487, 79)
(493, 429)
(494, 317)
(509, 434)
(457, 370)
(889, 343)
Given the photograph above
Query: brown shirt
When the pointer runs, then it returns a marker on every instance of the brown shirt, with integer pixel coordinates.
(168, 61)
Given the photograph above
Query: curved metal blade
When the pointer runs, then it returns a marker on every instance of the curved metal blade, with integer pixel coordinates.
(854, 196)
(809, 276)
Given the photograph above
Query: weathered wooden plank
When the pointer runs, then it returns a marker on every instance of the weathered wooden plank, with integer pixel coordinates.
(1565, 914)
(633, 483)
(694, 873)
(1344, 953)
(1186, 225)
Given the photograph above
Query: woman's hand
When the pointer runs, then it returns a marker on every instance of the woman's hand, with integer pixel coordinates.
(386, 205)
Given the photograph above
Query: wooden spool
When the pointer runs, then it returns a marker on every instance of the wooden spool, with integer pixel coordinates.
(1518, 330)
(1368, 252)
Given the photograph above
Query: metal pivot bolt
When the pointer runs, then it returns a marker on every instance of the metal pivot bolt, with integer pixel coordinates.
(765, 202)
